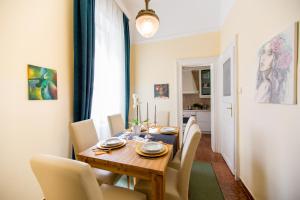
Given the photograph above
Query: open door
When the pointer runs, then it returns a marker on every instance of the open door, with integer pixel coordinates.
(228, 112)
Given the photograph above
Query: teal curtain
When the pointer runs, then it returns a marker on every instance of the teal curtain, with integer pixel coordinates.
(84, 50)
(127, 67)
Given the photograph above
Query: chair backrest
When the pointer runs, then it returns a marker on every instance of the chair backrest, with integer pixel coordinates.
(163, 118)
(187, 158)
(116, 124)
(65, 179)
(191, 121)
(83, 135)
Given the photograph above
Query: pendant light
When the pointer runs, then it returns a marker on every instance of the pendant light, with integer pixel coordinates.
(147, 22)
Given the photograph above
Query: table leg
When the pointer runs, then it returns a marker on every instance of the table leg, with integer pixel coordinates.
(158, 187)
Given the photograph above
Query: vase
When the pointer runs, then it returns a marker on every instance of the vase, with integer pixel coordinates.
(136, 129)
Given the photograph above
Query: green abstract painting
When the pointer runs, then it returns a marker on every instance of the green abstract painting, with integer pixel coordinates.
(42, 83)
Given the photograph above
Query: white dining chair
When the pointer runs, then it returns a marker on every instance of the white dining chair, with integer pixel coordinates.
(177, 181)
(175, 163)
(163, 118)
(83, 136)
(116, 124)
(66, 179)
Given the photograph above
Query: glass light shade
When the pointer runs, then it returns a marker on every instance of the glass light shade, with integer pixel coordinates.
(147, 25)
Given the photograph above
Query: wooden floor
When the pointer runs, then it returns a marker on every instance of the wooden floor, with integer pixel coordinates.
(232, 190)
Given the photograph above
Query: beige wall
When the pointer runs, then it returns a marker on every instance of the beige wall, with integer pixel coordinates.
(269, 134)
(39, 33)
(155, 63)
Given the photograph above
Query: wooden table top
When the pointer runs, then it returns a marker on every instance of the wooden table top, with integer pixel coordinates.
(128, 158)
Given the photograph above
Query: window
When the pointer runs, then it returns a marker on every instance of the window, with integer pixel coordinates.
(109, 79)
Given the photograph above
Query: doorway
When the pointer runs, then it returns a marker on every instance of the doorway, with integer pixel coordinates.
(205, 67)
(224, 113)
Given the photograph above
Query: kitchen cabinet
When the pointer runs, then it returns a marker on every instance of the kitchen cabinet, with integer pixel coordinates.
(203, 120)
(205, 85)
(188, 83)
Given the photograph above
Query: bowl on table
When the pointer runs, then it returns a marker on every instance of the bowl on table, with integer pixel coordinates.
(113, 142)
(168, 130)
(152, 148)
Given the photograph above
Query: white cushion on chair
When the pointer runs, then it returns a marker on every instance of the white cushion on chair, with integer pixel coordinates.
(66, 179)
(171, 190)
(172, 185)
(191, 121)
(177, 181)
(116, 124)
(175, 163)
(104, 176)
(83, 136)
(118, 193)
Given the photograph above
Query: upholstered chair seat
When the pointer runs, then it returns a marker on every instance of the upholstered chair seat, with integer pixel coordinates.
(66, 179)
(83, 135)
(177, 181)
(116, 124)
(175, 163)
(118, 193)
(104, 176)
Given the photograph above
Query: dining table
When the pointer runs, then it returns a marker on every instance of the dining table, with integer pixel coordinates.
(127, 161)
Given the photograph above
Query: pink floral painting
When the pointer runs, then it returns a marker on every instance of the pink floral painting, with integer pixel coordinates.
(276, 80)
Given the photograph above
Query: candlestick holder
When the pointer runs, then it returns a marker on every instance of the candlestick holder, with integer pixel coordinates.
(148, 136)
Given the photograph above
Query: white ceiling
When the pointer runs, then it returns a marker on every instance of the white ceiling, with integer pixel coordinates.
(179, 17)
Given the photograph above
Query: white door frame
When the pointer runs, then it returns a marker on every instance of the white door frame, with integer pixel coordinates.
(198, 62)
(233, 47)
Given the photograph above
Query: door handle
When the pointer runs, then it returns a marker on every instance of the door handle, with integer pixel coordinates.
(230, 108)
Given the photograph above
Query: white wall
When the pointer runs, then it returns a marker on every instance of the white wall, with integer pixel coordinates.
(39, 33)
(269, 134)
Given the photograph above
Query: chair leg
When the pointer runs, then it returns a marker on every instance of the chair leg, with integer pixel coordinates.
(128, 182)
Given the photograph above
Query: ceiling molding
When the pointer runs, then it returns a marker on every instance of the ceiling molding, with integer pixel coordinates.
(174, 36)
(123, 7)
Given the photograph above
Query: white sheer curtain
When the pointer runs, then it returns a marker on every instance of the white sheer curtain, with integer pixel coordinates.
(109, 78)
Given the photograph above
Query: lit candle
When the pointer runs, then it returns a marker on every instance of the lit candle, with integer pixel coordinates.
(147, 113)
(155, 115)
(140, 114)
(137, 112)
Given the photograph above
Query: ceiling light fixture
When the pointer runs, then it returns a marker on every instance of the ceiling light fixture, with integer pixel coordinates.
(147, 22)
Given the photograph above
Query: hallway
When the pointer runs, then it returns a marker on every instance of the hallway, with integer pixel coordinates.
(232, 190)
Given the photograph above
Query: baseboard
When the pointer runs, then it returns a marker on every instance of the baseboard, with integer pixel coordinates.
(249, 195)
(230, 166)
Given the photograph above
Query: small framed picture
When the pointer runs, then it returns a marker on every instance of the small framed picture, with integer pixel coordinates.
(161, 91)
(42, 83)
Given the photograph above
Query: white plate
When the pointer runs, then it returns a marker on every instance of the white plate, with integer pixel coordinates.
(153, 130)
(152, 147)
(114, 141)
(167, 129)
